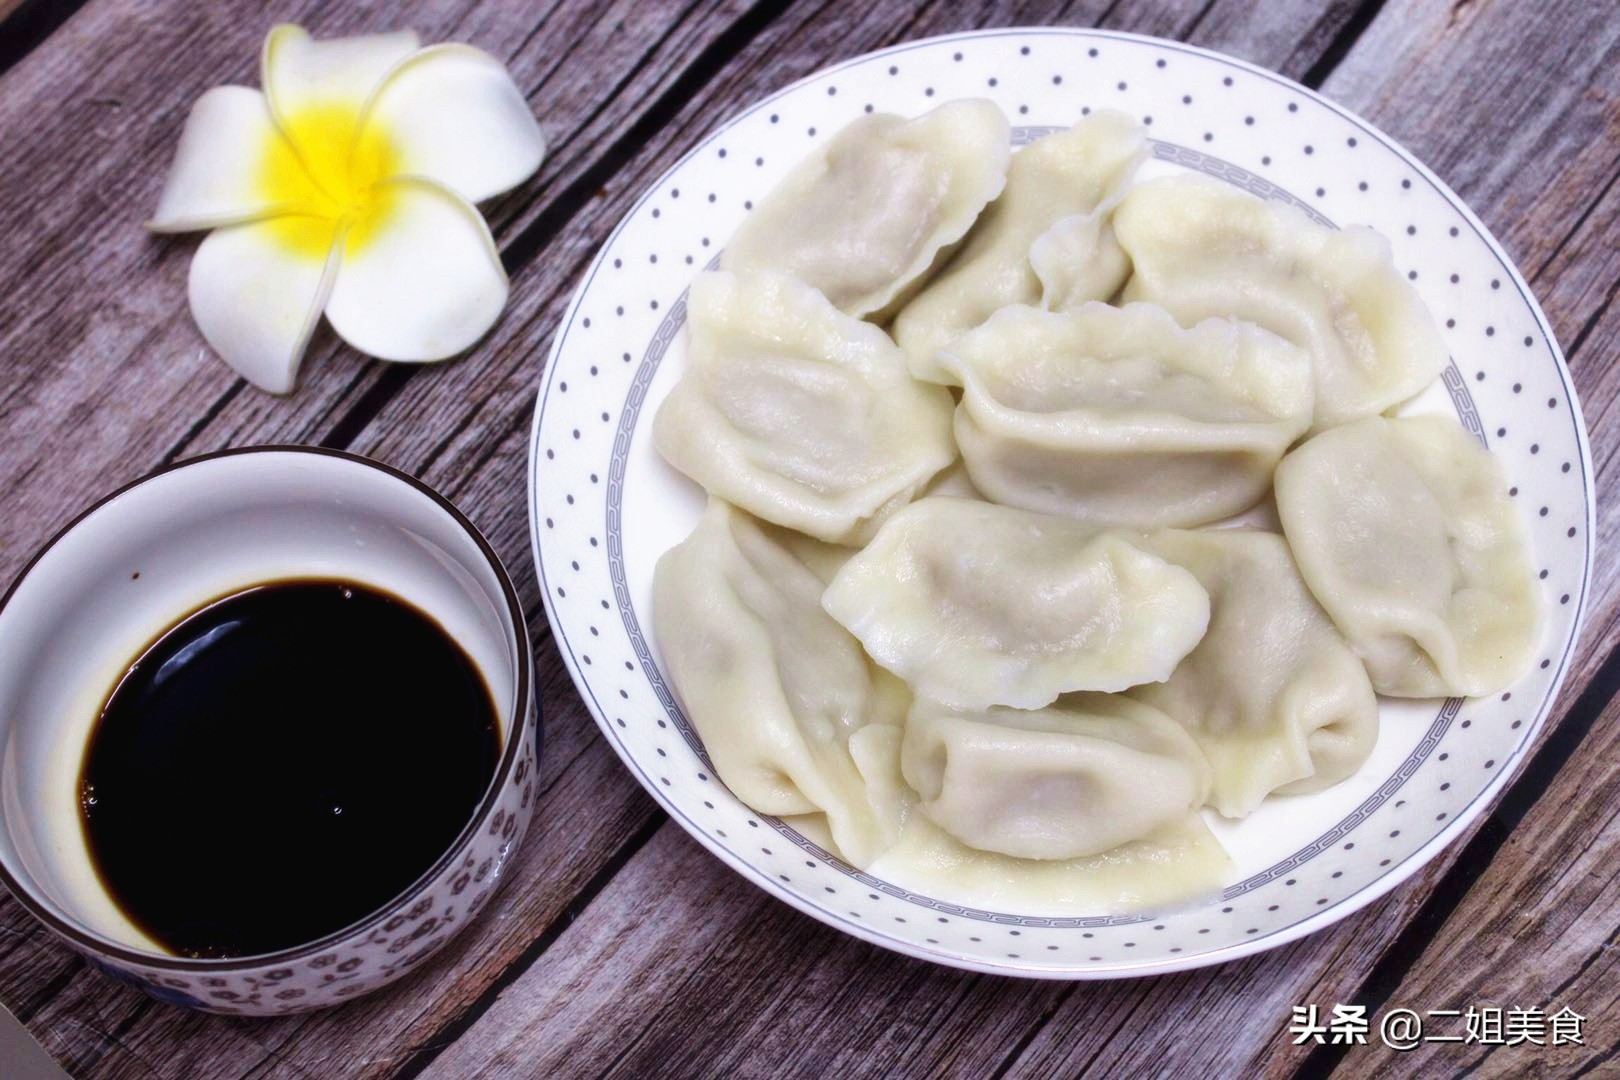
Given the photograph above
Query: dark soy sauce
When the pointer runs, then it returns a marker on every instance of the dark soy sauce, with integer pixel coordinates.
(282, 763)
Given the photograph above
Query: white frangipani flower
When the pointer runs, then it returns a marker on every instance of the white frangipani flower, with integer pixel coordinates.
(346, 186)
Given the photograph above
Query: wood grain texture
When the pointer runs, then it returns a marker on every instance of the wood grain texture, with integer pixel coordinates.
(98, 308)
(44, 413)
(26, 23)
(1084, 1024)
(618, 945)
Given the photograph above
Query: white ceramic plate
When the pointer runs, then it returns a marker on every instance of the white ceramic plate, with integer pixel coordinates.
(603, 506)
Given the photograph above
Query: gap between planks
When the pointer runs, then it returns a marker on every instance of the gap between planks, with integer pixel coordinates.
(1521, 796)
(532, 239)
(697, 73)
(629, 850)
(1342, 43)
(27, 23)
(1512, 806)
(523, 248)
(424, 1055)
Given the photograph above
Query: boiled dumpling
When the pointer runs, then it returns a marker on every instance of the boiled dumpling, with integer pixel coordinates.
(1120, 417)
(1172, 865)
(1079, 259)
(798, 413)
(974, 605)
(1201, 248)
(1405, 532)
(1273, 694)
(1073, 177)
(866, 215)
(775, 688)
(955, 482)
(888, 799)
(1080, 777)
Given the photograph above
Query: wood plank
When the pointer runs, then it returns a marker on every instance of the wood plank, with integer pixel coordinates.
(1540, 929)
(488, 486)
(781, 1012)
(261, 423)
(71, 113)
(622, 56)
(747, 916)
(828, 1002)
(572, 826)
(432, 401)
(513, 545)
(1540, 922)
(1578, 283)
(1579, 274)
(1289, 36)
(1089, 1024)
(1513, 106)
(106, 333)
(341, 389)
(24, 24)
(731, 980)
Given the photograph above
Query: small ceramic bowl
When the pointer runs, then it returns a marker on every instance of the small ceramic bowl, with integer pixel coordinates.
(159, 548)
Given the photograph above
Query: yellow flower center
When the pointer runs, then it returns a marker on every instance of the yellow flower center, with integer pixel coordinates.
(330, 176)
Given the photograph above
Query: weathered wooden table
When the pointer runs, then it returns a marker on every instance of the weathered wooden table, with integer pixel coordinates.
(618, 945)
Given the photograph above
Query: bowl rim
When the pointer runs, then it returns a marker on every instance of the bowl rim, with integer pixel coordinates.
(525, 711)
(1376, 890)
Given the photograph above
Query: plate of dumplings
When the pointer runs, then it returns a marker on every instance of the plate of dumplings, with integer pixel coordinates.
(1061, 503)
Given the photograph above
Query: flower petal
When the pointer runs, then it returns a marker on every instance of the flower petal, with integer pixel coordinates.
(257, 291)
(421, 279)
(299, 72)
(230, 144)
(453, 114)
